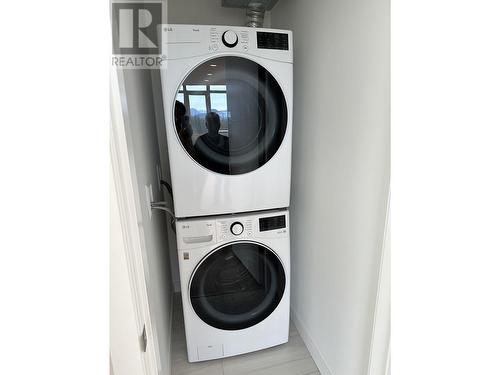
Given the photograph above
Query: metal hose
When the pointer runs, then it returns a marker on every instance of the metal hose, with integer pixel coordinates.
(255, 14)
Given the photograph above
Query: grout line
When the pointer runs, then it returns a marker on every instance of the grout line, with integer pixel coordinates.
(282, 363)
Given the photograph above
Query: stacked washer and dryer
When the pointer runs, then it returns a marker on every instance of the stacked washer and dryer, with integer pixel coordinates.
(227, 95)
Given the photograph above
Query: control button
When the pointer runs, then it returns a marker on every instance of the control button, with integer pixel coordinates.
(214, 47)
(229, 38)
(237, 228)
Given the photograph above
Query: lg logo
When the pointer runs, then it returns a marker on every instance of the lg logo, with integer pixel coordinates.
(135, 28)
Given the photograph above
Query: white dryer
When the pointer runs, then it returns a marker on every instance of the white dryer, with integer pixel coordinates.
(235, 283)
(227, 96)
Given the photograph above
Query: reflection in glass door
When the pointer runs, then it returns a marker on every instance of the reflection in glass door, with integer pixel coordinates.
(236, 115)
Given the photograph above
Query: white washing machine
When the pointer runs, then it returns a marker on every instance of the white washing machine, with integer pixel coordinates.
(235, 283)
(227, 95)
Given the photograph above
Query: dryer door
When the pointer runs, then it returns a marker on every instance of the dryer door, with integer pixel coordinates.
(230, 115)
(237, 286)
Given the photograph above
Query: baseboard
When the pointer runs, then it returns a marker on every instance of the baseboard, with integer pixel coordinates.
(311, 345)
(170, 321)
(380, 338)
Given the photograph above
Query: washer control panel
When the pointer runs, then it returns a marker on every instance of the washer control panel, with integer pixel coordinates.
(234, 228)
(237, 228)
(202, 232)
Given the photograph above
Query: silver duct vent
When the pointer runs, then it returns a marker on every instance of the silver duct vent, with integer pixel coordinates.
(255, 14)
(255, 9)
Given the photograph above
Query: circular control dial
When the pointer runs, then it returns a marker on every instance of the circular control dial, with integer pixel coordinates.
(237, 228)
(229, 38)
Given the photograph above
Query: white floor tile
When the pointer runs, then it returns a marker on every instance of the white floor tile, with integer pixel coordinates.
(251, 362)
(297, 367)
(183, 367)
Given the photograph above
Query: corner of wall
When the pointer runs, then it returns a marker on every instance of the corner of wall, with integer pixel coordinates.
(311, 345)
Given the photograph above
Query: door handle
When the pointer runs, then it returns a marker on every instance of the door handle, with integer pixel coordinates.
(198, 239)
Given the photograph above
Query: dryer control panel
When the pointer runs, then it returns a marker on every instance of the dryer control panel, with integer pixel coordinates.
(236, 40)
(184, 41)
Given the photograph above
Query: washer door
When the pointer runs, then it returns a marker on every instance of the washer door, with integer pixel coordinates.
(237, 286)
(230, 115)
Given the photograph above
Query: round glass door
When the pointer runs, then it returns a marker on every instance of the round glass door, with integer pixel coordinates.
(237, 286)
(230, 115)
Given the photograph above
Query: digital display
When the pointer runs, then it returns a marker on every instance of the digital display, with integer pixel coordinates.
(272, 223)
(272, 40)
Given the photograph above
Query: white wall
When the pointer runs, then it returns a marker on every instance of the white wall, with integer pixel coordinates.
(144, 155)
(124, 346)
(340, 172)
(207, 12)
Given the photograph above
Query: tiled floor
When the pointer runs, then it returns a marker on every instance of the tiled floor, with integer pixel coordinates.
(291, 358)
